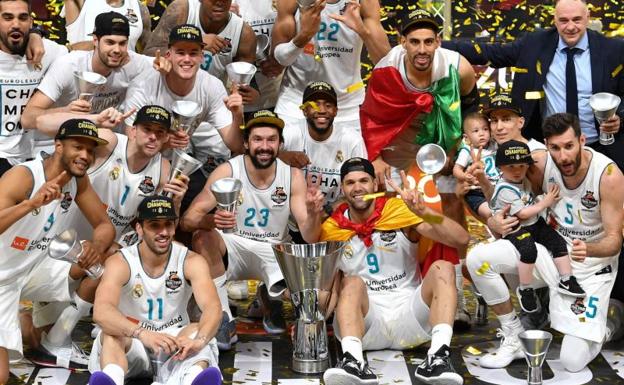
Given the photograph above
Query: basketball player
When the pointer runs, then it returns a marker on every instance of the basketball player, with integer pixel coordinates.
(141, 307)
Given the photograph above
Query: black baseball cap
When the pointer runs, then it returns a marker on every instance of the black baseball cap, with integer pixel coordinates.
(418, 18)
(513, 152)
(502, 101)
(185, 32)
(156, 207)
(111, 23)
(79, 128)
(357, 164)
(153, 114)
(265, 117)
(319, 90)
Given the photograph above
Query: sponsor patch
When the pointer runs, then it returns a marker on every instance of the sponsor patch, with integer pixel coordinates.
(66, 201)
(578, 307)
(279, 196)
(173, 282)
(20, 243)
(147, 186)
(588, 200)
(132, 16)
(387, 236)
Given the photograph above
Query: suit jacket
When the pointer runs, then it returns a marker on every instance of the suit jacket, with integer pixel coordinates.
(532, 54)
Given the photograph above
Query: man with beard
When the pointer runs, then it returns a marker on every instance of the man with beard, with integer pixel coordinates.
(36, 198)
(141, 308)
(18, 79)
(383, 303)
(58, 92)
(271, 192)
(589, 217)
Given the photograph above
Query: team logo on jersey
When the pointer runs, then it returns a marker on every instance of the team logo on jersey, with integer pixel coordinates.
(173, 282)
(114, 174)
(339, 156)
(578, 307)
(130, 239)
(348, 252)
(588, 200)
(137, 291)
(279, 196)
(387, 236)
(132, 16)
(20, 243)
(147, 186)
(228, 48)
(36, 211)
(66, 201)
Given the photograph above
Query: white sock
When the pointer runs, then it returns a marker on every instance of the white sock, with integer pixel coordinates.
(441, 334)
(62, 329)
(353, 345)
(190, 374)
(222, 292)
(510, 322)
(115, 372)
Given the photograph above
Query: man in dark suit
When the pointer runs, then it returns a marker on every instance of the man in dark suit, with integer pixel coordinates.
(544, 81)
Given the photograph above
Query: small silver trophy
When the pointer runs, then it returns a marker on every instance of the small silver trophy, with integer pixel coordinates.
(309, 271)
(158, 360)
(535, 345)
(184, 113)
(66, 247)
(226, 192)
(481, 309)
(88, 84)
(182, 164)
(431, 158)
(262, 45)
(240, 72)
(604, 105)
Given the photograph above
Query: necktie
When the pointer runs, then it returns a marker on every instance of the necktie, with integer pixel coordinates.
(571, 90)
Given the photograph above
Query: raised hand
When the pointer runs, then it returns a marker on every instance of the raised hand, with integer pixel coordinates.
(111, 117)
(234, 102)
(161, 64)
(351, 17)
(315, 199)
(214, 43)
(177, 187)
(311, 19)
(476, 168)
(50, 190)
(552, 196)
(412, 198)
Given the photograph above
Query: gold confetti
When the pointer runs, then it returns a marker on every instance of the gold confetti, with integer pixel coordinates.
(477, 48)
(484, 267)
(473, 350)
(519, 70)
(610, 169)
(538, 67)
(368, 197)
(310, 103)
(355, 87)
(580, 217)
(616, 71)
(534, 95)
(455, 105)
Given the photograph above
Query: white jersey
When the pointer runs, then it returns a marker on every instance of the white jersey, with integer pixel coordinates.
(260, 15)
(263, 214)
(157, 303)
(488, 157)
(516, 195)
(339, 49)
(577, 214)
(388, 267)
(80, 30)
(119, 189)
(208, 91)
(24, 243)
(231, 32)
(18, 81)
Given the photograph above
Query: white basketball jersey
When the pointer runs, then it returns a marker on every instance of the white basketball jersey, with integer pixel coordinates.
(215, 65)
(119, 189)
(338, 49)
(263, 214)
(25, 242)
(387, 267)
(81, 29)
(156, 303)
(577, 214)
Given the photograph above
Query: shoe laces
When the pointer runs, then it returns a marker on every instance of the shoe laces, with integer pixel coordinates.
(508, 340)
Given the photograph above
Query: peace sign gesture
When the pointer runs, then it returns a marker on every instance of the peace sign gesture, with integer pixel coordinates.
(314, 199)
(413, 199)
(476, 168)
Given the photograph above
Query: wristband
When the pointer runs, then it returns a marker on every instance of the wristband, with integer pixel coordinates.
(136, 333)
(287, 53)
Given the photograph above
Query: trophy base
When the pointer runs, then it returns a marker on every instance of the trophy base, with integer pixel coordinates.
(309, 366)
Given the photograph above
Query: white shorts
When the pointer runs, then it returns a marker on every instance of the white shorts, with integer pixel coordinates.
(398, 321)
(250, 259)
(139, 361)
(47, 281)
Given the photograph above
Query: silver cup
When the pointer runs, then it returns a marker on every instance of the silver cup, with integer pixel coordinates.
(226, 192)
(481, 310)
(431, 158)
(158, 360)
(262, 45)
(535, 345)
(240, 72)
(604, 105)
(184, 114)
(182, 164)
(88, 84)
(309, 272)
(66, 247)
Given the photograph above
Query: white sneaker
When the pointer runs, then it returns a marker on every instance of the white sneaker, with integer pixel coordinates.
(67, 356)
(95, 331)
(237, 289)
(510, 349)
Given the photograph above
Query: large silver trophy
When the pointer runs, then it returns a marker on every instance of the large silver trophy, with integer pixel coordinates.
(226, 192)
(604, 105)
(309, 272)
(262, 45)
(431, 158)
(66, 247)
(535, 344)
(182, 164)
(88, 84)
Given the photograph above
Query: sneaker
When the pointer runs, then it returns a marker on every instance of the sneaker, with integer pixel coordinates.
(437, 369)
(571, 287)
(100, 378)
(350, 371)
(69, 356)
(237, 290)
(510, 349)
(272, 320)
(527, 299)
(208, 376)
(226, 335)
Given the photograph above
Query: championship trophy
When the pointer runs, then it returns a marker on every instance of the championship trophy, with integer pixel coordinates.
(604, 105)
(240, 72)
(431, 158)
(66, 247)
(309, 271)
(535, 345)
(226, 192)
(262, 43)
(184, 114)
(182, 164)
(88, 84)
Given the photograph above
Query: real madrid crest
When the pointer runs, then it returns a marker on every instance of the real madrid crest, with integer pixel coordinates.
(339, 156)
(137, 290)
(348, 252)
(114, 174)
